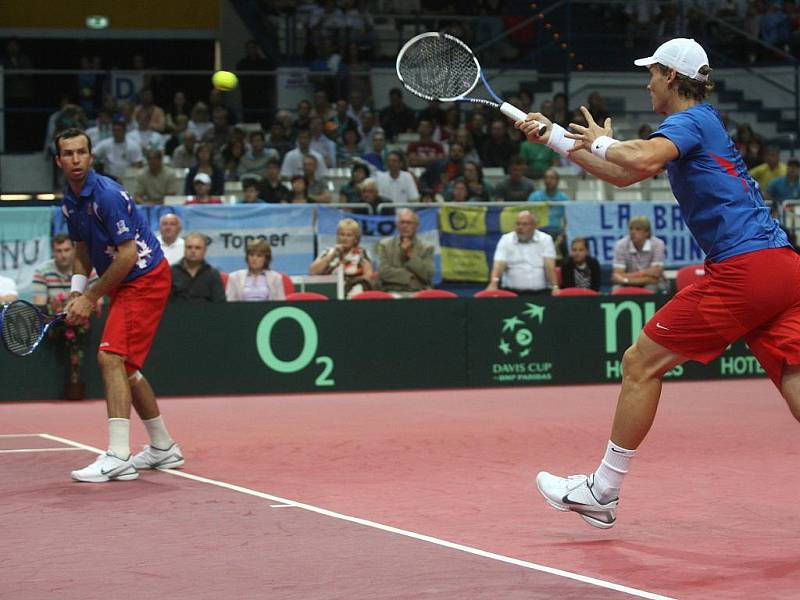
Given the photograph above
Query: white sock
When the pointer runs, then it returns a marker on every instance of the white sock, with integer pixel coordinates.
(612, 470)
(159, 436)
(119, 437)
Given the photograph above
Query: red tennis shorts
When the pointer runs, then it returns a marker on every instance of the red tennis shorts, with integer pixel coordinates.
(754, 295)
(134, 314)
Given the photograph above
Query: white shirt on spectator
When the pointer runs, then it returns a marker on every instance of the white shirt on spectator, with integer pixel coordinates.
(525, 260)
(118, 157)
(293, 164)
(174, 251)
(147, 140)
(327, 148)
(8, 287)
(402, 189)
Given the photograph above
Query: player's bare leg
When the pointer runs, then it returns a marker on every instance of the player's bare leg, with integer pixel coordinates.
(118, 390)
(595, 497)
(162, 452)
(790, 388)
(143, 398)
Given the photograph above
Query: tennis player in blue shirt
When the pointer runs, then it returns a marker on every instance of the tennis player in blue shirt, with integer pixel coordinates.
(113, 237)
(752, 283)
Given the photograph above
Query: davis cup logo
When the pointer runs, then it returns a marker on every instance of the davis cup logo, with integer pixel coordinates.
(516, 343)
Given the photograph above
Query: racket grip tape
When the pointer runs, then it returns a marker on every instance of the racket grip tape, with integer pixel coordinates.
(516, 114)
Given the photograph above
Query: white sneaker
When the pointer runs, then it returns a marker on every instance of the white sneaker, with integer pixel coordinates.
(106, 467)
(155, 458)
(575, 494)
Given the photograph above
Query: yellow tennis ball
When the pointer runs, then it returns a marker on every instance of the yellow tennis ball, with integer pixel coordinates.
(224, 80)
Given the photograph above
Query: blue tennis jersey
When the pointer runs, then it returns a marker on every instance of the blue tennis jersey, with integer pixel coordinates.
(104, 216)
(721, 204)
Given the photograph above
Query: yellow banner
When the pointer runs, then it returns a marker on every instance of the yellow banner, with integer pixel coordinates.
(508, 217)
(463, 220)
(459, 264)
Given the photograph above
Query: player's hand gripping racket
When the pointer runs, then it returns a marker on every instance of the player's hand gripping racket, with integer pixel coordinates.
(23, 326)
(439, 66)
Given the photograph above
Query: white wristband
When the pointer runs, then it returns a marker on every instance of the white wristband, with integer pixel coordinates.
(601, 145)
(78, 283)
(558, 142)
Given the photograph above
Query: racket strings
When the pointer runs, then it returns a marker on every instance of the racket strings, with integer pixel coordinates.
(439, 67)
(22, 328)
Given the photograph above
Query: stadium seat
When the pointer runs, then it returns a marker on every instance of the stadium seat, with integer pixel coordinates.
(577, 292)
(688, 275)
(288, 286)
(434, 294)
(372, 295)
(494, 294)
(632, 291)
(306, 296)
(224, 276)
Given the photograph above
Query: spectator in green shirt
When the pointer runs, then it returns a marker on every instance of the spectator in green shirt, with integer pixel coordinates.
(538, 158)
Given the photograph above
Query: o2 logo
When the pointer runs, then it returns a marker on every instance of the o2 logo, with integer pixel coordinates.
(307, 352)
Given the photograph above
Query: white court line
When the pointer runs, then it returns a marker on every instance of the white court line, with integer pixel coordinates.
(39, 450)
(281, 505)
(20, 435)
(388, 528)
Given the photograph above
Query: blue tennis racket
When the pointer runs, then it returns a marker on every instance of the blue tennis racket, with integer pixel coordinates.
(23, 326)
(439, 66)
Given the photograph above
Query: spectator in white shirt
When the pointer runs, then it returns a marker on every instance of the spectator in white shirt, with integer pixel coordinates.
(293, 161)
(524, 260)
(117, 153)
(169, 231)
(321, 143)
(147, 138)
(395, 184)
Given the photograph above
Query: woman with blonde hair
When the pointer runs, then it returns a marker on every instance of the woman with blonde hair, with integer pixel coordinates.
(349, 255)
(256, 283)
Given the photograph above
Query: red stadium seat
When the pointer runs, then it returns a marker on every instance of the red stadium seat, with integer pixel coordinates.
(306, 296)
(288, 286)
(494, 294)
(372, 295)
(632, 291)
(224, 276)
(577, 292)
(689, 275)
(434, 294)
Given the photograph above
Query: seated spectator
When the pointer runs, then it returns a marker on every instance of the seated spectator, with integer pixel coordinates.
(639, 258)
(157, 120)
(580, 270)
(299, 192)
(538, 158)
(349, 191)
(144, 136)
(8, 290)
(596, 105)
(561, 112)
(54, 277)
(342, 119)
(322, 106)
(156, 181)
(193, 279)
(405, 262)
(348, 254)
(205, 165)
(349, 151)
(221, 131)
(464, 137)
(317, 189)
(321, 143)
(117, 154)
(479, 189)
(179, 108)
(753, 154)
(202, 191)
(550, 193)
(255, 160)
(369, 127)
(230, 158)
(199, 121)
(251, 192)
(278, 135)
(169, 237)
(771, 168)
(184, 157)
(397, 117)
(293, 161)
(524, 260)
(175, 139)
(368, 193)
(101, 130)
(272, 189)
(457, 191)
(378, 152)
(425, 152)
(498, 148)
(786, 187)
(442, 172)
(256, 283)
(478, 129)
(515, 187)
(395, 184)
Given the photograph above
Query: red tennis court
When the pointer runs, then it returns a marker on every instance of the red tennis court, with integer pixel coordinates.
(406, 495)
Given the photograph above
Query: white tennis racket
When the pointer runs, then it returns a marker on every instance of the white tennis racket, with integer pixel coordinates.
(439, 66)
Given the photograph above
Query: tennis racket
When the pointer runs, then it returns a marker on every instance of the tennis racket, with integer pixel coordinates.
(23, 326)
(439, 66)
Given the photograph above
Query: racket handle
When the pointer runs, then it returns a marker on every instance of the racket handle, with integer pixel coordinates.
(516, 114)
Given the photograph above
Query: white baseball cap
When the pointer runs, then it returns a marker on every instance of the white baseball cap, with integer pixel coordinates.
(684, 55)
(203, 178)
